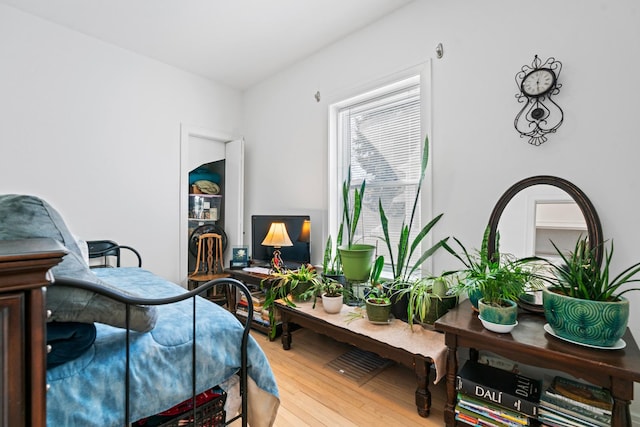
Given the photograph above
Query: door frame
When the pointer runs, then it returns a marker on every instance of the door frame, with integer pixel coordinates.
(187, 132)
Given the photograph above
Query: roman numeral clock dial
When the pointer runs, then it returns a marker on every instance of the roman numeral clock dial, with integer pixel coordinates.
(540, 115)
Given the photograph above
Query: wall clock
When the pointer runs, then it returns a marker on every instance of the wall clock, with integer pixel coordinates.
(537, 85)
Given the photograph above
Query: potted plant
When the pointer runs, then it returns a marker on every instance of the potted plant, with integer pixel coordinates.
(288, 285)
(356, 258)
(584, 304)
(430, 298)
(402, 268)
(331, 292)
(377, 303)
(495, 282)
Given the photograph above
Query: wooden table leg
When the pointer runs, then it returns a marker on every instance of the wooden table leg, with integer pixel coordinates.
(622, 393)
(422, 368)
(452, 369)
(286, 334)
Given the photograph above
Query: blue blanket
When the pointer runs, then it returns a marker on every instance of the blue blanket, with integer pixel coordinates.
(90, 390)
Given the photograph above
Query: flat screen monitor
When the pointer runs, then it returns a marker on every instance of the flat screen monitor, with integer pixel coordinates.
(293, 256)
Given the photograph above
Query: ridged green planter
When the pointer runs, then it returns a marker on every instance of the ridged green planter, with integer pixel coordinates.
(357, 261)
(594, 323)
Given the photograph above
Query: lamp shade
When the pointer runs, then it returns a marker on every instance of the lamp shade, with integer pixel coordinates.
(305, 233)
(277, 236)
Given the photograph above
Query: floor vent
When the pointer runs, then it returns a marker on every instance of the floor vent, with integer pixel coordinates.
(359, 365)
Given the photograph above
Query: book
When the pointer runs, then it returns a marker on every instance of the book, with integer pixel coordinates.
(571, 408)
(578, 391)
(551, 396)
(507, 389)
(492, 411)
(474, 419)
(548, 412)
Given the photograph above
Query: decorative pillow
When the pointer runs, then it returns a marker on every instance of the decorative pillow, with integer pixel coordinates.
(24, 217)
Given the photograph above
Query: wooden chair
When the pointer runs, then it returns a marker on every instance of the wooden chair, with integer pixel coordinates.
(210, 266)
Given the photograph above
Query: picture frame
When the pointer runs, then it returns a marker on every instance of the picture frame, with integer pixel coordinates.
(239, 257)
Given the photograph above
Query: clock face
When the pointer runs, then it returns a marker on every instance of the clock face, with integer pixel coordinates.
(538, 82)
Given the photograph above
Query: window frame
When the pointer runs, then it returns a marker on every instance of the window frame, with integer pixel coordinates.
(337, 170)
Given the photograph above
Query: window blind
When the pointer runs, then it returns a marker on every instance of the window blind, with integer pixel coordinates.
(380, 140)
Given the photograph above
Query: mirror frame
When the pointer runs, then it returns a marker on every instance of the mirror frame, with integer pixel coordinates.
(594, 228)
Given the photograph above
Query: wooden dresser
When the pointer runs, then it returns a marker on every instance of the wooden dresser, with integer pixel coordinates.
(24, 267)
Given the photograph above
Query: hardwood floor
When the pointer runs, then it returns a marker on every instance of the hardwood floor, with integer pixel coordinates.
(314, 395)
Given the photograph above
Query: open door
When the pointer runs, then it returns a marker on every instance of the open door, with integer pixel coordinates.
(200, 146)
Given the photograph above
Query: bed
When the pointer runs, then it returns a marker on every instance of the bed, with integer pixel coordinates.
(180, 345)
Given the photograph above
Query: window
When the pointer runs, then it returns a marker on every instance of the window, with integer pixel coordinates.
(378, 135)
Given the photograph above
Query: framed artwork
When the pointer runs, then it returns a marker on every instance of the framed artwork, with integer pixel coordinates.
(239, 257)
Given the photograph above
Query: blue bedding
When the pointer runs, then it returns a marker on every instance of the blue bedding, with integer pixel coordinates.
(90, 390)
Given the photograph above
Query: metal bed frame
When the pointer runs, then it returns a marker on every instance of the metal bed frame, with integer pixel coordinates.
(129, 301)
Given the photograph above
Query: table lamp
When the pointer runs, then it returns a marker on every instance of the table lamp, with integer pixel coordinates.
(277, 237)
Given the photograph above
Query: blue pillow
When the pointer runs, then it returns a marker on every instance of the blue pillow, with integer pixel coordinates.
(24, 217)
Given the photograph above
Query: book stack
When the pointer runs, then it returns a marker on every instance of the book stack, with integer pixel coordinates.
(570, 403)
(259, 315)
(492, 397)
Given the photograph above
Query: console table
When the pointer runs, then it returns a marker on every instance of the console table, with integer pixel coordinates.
(415, 348)
(528, 343)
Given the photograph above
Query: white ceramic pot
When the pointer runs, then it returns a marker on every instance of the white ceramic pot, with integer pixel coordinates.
(332, 305)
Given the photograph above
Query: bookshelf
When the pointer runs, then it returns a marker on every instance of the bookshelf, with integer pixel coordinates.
(528, 343)
(253, 281)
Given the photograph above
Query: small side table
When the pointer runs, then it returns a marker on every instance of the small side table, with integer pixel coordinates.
(528, 343)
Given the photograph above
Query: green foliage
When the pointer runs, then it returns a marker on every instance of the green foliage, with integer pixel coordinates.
(326, 286)
(351, 214)
(378, 295)
(331, 262)
(422, 292)
(580, 276)
(401, 262)
(282, 283)
(376, 271)
(496, 276)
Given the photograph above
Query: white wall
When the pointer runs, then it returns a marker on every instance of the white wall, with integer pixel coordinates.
(476, 153)
(95, 130)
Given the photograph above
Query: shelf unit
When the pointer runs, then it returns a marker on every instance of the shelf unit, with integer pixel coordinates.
(253, 282)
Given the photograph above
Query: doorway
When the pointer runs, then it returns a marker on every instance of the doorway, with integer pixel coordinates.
(199, 147)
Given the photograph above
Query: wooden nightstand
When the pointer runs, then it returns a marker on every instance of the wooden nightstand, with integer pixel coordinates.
(24, 267)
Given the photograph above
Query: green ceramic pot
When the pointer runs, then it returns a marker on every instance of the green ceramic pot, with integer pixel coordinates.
(440, 307)
(507, 314)
(474, 296)
(378, 313)
(300, 288)
(357, 261)
(594, 323)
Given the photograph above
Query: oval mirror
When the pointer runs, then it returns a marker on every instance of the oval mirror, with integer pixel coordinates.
(540, 209)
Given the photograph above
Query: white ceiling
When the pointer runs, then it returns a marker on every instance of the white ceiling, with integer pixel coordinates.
(234, 42)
